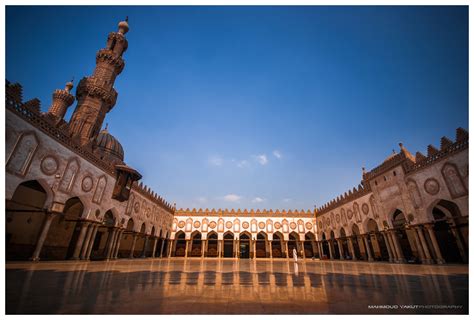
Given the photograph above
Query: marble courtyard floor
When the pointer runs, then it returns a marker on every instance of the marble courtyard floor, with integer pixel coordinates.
(229, 286)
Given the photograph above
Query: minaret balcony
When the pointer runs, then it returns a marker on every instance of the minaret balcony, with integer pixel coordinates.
(97, 88)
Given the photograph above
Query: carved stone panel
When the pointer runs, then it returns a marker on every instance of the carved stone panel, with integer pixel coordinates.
(365, 208)
(414, 194)
(87, 184)
(453, 180)
(357, 212)
(432, 186)
(49, 165)
(373, 205)
(99, 190)
(23, 153)
(69, 176)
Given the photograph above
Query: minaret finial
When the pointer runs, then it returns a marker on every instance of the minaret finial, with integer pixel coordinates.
(106, 126)
(126, 18)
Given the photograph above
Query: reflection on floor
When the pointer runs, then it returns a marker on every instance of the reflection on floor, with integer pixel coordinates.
(228, 286)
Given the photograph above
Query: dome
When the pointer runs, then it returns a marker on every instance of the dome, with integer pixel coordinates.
(109, 145)
(123, 26)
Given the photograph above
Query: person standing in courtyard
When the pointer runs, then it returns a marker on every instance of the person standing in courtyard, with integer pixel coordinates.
(295, 255)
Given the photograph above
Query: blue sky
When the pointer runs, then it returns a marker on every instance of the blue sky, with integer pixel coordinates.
(257, 107)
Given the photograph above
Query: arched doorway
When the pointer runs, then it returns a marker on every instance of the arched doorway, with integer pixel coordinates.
(196, 244)
(228, 245)
(376, 242)
(104, 237)
(345, 245)
(445, 214)
(127, 240)
(261, 245)
(399, 223)
(180, 249)
(293, 244)
(244, 246)
(212, 250)
(309, 240)
(356, 242)
(335, 246)
(24, 218)
(64, 232)
(277, 251)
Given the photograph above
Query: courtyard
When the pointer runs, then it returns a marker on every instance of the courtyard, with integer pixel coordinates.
(232, 286)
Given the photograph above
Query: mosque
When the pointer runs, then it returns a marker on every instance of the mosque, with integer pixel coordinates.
(70, 195)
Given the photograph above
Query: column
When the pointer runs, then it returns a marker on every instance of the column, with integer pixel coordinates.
(426, 249)
(351, 247)
(398, 248)
(387, 245)
(396, 258)
(91, 243)
(162, 247)
(132, 249)
(331, 249)
(117, 244)
(439, 256)
(271, 248)
(44, 233)
(287, 250)
(170, 247)
(419, 248)
(145, 245)
(341, 249)
(187, 248)
(370, 258)
(456, 235)
(320, 249)
(111, 243)
(90, 229)
(155, 242)
(203, 246)
(219, 248)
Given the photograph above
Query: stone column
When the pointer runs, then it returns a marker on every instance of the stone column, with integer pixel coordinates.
(145, 247)
(254, 249)
(424, 245)
(287, 250)
(132, 249)
(85, 246)
(396, 258)
(80, 241)
(398, 248)
(203, 246)
(271, 248)
(170, 247)
(419, 248)
(351, 248)
(91, 242)
(110, 244)
(331, 249)
(187, 248)
(155, 241)
(320, 249)
(219, 248)
(43, 234)
(162, 247)
(117, 244)
(459, 243)
(341, 249)
(439, 256)
(370, 258)
(387, 245)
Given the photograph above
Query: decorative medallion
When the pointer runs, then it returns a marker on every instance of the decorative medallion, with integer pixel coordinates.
(338, 218)
(197, 224)
(181, 224)
(277, 225)
(349, 214)
(432, 186)
(49, 165)
(136, 207)
(365, 208)
(320, 224)
(309, 225)
(87, 184)
(245, 225)
(228, 224)
(212, 225)
(293, 225)
(261, 225)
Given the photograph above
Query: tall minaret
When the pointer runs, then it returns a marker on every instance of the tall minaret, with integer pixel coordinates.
(62, 99)
(95, 94)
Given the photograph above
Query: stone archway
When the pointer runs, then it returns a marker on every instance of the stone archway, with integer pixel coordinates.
(212, 244)
(103, 239)
(356, 242)
(309, 245)
(196, 244)
(244, 245)
(376, 242)
(399, 224)
(24, 218)
(325, 254)
(344, 245)
(180, 244)
(228, 251)
(335, 246)
(261, 245)
(293, 244)
(276, 248)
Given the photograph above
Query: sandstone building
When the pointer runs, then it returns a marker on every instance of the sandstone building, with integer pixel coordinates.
(70, 195)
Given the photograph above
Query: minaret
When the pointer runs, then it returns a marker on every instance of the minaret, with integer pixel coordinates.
(62, 99)
(95, 94)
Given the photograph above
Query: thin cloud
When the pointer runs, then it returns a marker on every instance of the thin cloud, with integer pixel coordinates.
(262, 159)
(232, 198)
(287, 200)
(216, 161)
(277, 154)
(242, 164)
(258, 200)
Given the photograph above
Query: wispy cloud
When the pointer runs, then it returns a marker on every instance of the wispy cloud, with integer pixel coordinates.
(242, 163)
(287, 200)
(202, 200)
(232, 198)
(215, 161)
(277, 154)
(262, 159)
(258, 200)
